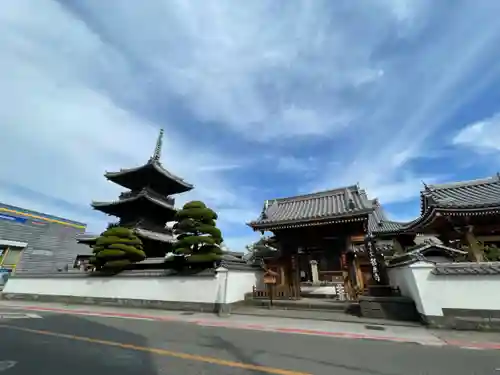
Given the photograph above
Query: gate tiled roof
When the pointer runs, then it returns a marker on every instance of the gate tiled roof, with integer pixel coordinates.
(342, 203)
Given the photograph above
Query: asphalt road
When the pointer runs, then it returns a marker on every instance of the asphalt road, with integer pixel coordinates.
(81, 345)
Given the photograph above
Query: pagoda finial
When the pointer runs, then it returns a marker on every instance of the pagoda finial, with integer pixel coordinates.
(157, 153)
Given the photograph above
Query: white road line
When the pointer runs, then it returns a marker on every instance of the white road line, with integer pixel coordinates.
(7, 315)
(35, 316)
(96, 314)
(5, 365)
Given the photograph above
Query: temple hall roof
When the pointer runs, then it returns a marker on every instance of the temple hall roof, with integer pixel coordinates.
(340, 204)
(466, 194)
(424, 252)
(477, 196)
(378, 222)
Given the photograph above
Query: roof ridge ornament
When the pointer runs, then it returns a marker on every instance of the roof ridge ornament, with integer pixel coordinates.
(498, 176)
(159, 143)
(351, 204)
(264, 210)
(349, 201)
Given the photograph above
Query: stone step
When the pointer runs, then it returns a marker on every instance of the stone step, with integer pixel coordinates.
(305, 304)
(320, 315)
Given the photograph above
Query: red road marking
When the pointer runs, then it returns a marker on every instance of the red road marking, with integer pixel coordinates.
(485, 345)
(474, 345)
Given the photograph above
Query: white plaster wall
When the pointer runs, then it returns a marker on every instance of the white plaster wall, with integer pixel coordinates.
(432, 293)
(241, 283)
(182, 289)
(402, 277)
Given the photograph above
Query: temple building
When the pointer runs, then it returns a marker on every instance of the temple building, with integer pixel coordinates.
(458, 213)
(149, 203)
(322, 239)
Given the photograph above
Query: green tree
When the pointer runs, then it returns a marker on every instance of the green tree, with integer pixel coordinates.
(116, 248)
(263, 247)
(198, 238)
(492, 253)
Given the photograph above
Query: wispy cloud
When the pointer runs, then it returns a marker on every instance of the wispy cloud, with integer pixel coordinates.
(289, 163)
(482, 136)
(423, 89)
(337, 92)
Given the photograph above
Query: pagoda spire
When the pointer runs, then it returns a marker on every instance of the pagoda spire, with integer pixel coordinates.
(157, 152)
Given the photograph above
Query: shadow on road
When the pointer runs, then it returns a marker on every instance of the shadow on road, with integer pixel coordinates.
(251, 356)
(238, 354)
(51, 354)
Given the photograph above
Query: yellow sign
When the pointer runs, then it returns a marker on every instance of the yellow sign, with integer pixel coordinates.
(269, 280)
(32, 216)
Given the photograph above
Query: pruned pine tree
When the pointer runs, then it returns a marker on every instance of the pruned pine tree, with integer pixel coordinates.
(116, 248)
(198, 238)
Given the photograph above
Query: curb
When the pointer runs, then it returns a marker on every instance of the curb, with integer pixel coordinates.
(360, 321)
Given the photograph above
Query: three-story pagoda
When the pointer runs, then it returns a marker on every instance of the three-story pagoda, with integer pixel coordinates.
(148, 204)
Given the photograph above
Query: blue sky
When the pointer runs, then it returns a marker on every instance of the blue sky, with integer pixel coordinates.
(258, 99)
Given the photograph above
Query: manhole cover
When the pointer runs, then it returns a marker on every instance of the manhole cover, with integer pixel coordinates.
(375, 328)
(187, 313)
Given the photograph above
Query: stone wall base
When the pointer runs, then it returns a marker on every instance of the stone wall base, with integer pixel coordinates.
(465, 320)
(223, 309)
(391, 308)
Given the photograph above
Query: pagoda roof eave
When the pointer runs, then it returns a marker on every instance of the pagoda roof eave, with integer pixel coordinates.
(156, 165)
(140, 232)
(141, 195)
(154, 236)
(87, 239)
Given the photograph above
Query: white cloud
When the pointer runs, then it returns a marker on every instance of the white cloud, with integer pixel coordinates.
(61, 131)
(422, 90)
(290, 163)
(482, 136)
(246, 67)
(86, 84)
(239, 243)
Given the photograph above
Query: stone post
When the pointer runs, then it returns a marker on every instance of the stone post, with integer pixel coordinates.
(314, 271)
(223, 307)
(474, 248)
(398, 249)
